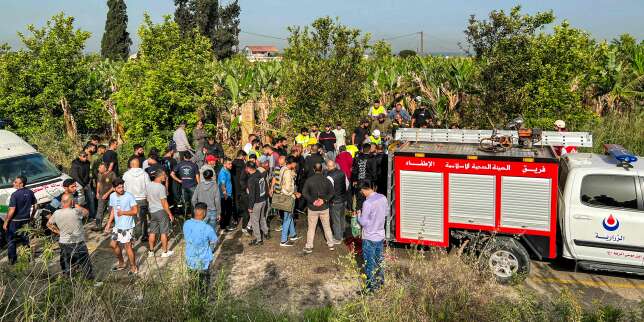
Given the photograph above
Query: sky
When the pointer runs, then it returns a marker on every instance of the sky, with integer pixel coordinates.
(441, 21)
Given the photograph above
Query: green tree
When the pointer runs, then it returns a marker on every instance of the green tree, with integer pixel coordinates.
(168, 82)
(325, 76)
(48, 84)
(406, 53)
(218, 23)
(522, 72)
(116, 40)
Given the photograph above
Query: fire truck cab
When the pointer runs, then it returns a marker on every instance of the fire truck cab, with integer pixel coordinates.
(519, 204)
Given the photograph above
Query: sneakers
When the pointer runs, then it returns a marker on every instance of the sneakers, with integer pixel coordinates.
(150, 254)
(286, 244)
(294, 238)
(230, 228)
(308, 250)
(167, 254)
(331, 248)
(255, 242)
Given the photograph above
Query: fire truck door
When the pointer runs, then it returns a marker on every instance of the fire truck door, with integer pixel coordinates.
(605, 223)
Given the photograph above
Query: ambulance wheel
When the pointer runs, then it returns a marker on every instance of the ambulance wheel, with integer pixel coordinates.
(506, 259)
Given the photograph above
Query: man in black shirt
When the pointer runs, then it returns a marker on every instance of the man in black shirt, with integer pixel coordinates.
(364, 168)
(139, 154)
(214, 148)
(328, 139)
(421, 118)
(168, 162)
(257, 197)
(240, 196)
(361, 133)
(110, 158)
(314, 158)
(280, 146)
(80, 172)
(338, 203)
(317, 192)
(186, 173)
(21, 210)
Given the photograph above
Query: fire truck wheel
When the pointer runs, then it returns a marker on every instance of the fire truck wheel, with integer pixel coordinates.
(507, 259)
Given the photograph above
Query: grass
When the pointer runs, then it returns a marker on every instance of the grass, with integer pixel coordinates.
(625, 128)
(421, 286)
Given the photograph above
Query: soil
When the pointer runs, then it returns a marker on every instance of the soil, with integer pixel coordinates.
(278, 278)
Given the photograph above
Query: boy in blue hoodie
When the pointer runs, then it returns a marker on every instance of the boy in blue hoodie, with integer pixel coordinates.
(200, 241)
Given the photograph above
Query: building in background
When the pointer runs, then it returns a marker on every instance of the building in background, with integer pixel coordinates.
(262, 53)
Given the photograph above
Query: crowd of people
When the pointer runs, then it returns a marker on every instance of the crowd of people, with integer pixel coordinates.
(326, 176)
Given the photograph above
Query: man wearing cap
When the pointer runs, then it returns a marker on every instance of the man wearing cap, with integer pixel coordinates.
(560, 126)
(211, 163)
(375, 138)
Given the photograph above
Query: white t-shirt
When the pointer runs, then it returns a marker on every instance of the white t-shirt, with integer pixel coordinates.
(340, 137)
(248, 147)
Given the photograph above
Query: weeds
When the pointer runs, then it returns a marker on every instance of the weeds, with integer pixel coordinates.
(420, 285)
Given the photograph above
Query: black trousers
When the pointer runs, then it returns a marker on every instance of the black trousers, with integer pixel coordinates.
(226, 212)
(76, 256)
(242, 210)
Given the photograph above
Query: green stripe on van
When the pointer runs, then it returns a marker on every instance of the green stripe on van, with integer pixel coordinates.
(4, 209)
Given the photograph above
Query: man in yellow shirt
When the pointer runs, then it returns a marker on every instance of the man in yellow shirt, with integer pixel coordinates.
(303, 138)
(377, 109)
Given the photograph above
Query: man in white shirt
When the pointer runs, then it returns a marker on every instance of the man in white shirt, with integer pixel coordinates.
(136, 183)
(181, 139)
(249, 145)
(340, 136)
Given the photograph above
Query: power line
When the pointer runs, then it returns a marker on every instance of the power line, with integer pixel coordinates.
(262, 35)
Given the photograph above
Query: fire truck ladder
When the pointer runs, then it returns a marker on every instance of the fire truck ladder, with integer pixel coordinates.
(548, 138)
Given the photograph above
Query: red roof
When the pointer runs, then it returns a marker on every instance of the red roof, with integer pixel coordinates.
(265, 49)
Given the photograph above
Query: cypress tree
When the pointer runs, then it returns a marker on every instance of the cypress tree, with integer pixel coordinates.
(219, 24)
(227, 33)
(116, 40)
(183, 16)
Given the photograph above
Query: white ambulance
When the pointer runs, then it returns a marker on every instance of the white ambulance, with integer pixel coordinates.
(17, 157)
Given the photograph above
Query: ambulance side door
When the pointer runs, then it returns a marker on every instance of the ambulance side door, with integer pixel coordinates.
(606, 217)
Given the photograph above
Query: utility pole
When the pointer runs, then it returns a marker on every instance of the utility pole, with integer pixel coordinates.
(422, 49)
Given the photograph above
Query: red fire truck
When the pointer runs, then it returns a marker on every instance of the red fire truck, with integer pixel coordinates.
(445, 189)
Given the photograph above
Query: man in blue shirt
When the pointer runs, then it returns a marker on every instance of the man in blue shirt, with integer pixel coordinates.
(225, 183)
(21, 210)
(200, 240)
(124, 210)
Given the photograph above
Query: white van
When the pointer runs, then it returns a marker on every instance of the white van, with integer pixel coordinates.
(17, 157)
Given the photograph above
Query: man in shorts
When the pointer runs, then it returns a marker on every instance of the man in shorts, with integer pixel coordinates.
(124, 210)
(160, 215)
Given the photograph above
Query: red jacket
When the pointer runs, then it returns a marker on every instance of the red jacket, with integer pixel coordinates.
(344, 162)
